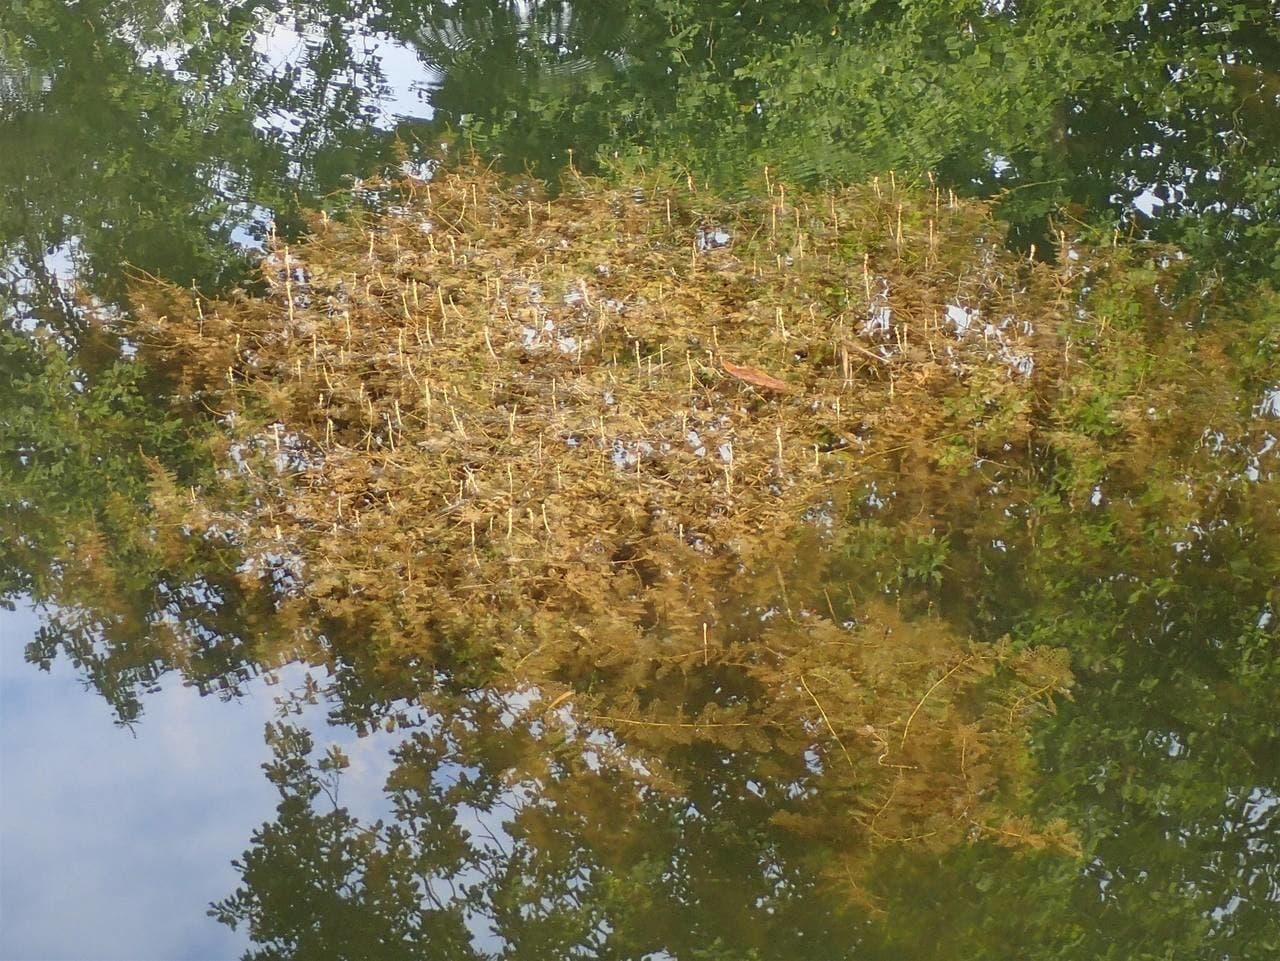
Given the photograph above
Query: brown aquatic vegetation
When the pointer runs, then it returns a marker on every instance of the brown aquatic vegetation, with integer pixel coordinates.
(607, 446)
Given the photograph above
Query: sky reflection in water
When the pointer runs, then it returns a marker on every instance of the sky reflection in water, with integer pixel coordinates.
(115, 840)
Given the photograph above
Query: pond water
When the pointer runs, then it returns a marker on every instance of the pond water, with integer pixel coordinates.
(90, 807)
(193, 767)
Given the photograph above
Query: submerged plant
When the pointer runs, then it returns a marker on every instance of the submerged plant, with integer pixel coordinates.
(667, 462)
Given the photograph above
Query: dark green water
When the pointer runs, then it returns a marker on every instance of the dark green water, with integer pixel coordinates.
(135, 691)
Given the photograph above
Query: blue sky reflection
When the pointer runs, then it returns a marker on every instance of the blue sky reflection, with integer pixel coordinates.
(113, 842)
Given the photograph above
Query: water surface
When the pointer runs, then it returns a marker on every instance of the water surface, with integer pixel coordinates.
(455, 818)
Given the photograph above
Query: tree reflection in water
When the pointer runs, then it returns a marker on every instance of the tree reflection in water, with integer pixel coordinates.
(156, 135)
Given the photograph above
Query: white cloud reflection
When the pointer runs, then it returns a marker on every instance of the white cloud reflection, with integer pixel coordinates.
(113, 842)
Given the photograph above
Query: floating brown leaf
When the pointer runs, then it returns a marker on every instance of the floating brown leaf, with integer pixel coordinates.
(755, 377)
